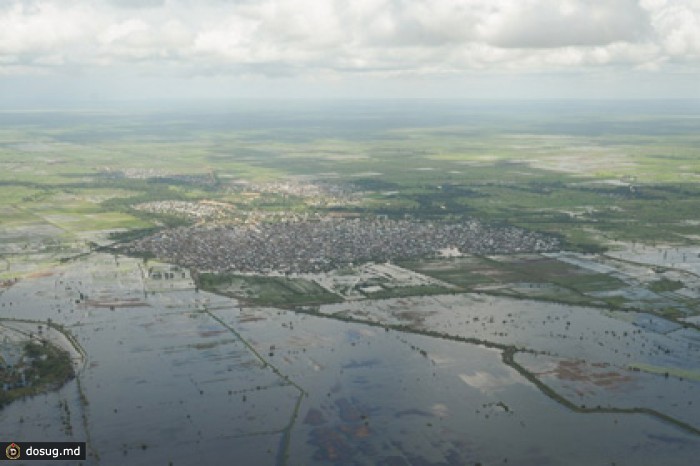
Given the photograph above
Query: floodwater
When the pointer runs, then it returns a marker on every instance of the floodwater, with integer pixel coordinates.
(682, 257)
(176, 376)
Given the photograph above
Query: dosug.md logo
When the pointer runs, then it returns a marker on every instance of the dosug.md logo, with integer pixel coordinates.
(13, 451)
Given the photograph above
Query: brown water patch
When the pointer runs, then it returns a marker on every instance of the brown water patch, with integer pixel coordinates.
(414, 317)
(331, 445)
(127, 302)
(245, 319)
(580, 371)
(211, 333)
(43, 274)
(348, 411)
(314, 417)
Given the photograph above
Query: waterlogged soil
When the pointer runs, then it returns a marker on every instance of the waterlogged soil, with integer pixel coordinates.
(173, 375)
(621, 338)
(623, 342)
(378, 397)
(681, 257)
(599, 385)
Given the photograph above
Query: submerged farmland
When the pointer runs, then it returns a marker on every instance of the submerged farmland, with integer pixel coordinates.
(417, 379)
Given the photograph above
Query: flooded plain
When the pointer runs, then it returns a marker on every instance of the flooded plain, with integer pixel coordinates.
(174, 375)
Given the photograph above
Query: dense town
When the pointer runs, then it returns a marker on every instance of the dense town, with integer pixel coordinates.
(315, 246)
(202, 210)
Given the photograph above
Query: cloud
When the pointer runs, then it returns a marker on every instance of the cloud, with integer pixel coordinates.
(678, 27)
(37, 28)
(565, 23)
(138, 4)
(314, 38)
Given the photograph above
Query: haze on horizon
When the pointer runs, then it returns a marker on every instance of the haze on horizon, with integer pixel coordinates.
(111, 50)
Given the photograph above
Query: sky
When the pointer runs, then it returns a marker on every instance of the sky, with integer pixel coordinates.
(104, 50)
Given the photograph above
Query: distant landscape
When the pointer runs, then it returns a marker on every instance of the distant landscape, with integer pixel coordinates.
(354, 281)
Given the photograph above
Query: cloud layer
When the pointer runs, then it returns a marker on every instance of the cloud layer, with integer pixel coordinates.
(330, 38)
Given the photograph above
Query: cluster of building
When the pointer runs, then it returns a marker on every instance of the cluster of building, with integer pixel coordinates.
(314, 193)
(202, 210)
(215, 211)
(326, 244)
(203, 179)
(302, 188)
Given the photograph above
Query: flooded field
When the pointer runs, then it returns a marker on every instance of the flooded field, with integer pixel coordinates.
(173, 375)
(685, 257)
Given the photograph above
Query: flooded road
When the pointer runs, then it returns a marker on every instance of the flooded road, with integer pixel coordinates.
(173, 375)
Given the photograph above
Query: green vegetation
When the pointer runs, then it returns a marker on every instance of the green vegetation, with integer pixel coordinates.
(666, 371)
(130, 235)
(267, 291)
(532, 276)
(665, 284)
(590, 178)
(405, 291)
(44, 367)
(478, 273)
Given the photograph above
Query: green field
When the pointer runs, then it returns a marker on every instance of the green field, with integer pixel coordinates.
(542, 278)
(267, 291)
(590, 176)
(45, 367)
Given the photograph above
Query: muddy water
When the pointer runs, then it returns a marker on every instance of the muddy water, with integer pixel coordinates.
(186, 377)
(377, 397)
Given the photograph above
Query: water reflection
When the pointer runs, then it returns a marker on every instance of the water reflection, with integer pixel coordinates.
(191, 378)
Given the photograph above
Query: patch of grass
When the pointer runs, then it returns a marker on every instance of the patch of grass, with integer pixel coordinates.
(666, 371)
(406, 291)
(665, 284)
(526, 276)
(131, 235)
(464, 272)
(45, 367)
(267, 291)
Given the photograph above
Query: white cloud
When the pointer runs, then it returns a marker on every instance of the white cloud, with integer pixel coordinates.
(332, 37)
(27, 28)
(554, 24)
(678, 28)
(123, 31)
